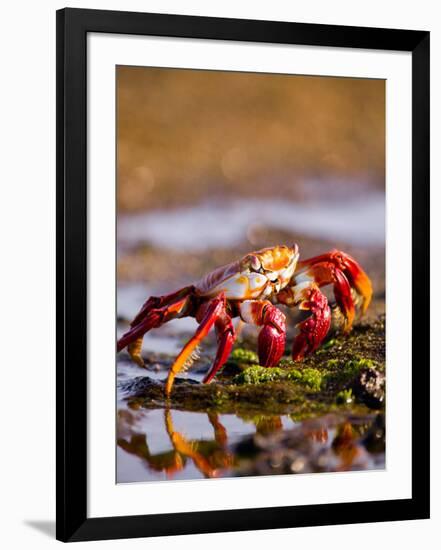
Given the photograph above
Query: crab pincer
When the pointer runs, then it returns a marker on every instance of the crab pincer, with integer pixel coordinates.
(352, 286)
(314, 329)
(272, 335)
(271, 340)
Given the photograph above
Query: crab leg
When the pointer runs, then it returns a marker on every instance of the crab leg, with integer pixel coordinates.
(225, 339)
(187, 448)
(155, 312)
(308, 297)
(168, 462)
(211, 312)
(220, 433)
(346, 275)
(271, 341)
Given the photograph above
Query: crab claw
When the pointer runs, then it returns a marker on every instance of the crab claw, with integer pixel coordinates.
(272, 336)
(343, 297)
(315, 327)
(271, 341)
(358, 278)
(348, 278)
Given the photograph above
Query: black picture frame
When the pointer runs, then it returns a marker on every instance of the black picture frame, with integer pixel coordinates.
(71, 427)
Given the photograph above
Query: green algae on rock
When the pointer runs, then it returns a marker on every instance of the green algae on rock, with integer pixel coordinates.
(243, 356)
(311, 378)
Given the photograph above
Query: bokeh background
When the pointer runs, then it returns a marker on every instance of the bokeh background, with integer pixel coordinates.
(185, 135)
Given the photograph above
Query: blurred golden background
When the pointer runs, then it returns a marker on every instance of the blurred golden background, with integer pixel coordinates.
(188, 134)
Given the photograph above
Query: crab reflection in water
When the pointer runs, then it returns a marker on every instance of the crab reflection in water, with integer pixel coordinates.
(326, 444)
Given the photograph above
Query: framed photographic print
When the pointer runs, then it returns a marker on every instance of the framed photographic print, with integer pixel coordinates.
(242, 234)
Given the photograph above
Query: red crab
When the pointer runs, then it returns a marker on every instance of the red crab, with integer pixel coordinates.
(249, 288)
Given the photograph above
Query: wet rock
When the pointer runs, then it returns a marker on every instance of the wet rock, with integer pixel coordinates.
(370, 388)
(184, 382)
(139, 385)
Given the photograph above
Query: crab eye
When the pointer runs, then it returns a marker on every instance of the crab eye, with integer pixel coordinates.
(255, 263)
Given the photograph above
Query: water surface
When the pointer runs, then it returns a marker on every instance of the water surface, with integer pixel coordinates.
(359, 220)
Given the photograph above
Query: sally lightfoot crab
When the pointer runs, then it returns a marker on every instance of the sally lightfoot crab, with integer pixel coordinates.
(249, 289)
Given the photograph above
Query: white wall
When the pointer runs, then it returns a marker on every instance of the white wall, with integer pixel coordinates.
(27, 206)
